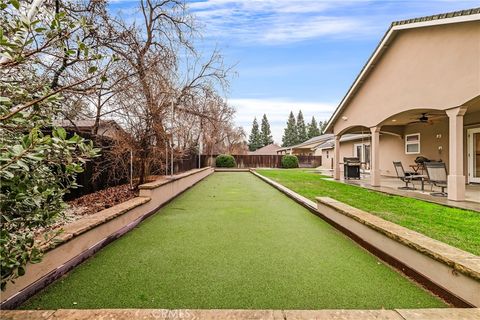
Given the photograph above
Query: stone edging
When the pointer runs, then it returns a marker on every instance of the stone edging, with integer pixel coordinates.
(86, 223)
(83, 237)
(456, 281)
(301, 199)
(232, 170)
(186, 314)
(462, 261)
(158, 183)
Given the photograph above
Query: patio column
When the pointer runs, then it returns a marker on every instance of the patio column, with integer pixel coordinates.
(375, 158)
(456, 179)
(336, 158)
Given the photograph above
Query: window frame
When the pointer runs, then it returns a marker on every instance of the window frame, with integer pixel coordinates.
(407, 143)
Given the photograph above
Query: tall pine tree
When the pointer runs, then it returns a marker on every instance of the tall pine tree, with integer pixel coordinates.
(313, 129)
(301, 128)
(255, 140)
(322, 125)
(265, 133)
(290, 137)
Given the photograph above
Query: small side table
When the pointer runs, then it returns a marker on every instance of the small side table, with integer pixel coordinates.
(423, 178)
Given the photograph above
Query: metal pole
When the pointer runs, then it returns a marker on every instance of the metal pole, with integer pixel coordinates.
(200, 149)
(166, 157)
(171, 152)
(171, 158)
(131, 169)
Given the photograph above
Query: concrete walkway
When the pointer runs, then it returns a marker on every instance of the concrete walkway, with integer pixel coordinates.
(390, 186)
(161, 314)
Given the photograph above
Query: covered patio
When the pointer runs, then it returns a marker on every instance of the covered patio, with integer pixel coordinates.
(414, 108)
(391, 185)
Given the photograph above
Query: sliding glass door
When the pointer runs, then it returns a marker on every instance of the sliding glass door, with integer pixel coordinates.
(473, 155)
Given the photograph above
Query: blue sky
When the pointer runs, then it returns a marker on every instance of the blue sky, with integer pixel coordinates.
(298, 54)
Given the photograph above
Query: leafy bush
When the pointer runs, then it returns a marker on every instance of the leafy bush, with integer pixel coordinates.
(289, 161)
(38, 163)
(225, 161)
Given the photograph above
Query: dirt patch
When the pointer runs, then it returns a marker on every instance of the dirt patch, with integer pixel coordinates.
(100, 200)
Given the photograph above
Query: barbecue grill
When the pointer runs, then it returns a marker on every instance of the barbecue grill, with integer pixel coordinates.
(351, 168)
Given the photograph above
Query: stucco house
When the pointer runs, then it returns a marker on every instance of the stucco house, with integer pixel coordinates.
(306, 148)
(351, 145)
(419, 94)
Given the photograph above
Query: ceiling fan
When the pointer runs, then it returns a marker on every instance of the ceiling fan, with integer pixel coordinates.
(426, 117)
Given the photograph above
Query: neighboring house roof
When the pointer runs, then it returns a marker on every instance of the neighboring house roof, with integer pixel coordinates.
(395, 27)
(81, 123)
(108, 127)
(310, 142)
(270, 149)
(330, 144)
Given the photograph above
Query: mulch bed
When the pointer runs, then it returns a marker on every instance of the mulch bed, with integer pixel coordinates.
(100, 200)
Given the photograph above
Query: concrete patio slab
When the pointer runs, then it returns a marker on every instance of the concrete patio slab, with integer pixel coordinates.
(390, 185)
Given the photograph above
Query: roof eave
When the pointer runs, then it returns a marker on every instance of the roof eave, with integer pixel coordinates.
(383, 44)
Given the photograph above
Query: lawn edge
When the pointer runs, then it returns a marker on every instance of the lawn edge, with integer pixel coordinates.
(382, 251)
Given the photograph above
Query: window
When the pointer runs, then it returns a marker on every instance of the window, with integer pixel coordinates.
(412, 143)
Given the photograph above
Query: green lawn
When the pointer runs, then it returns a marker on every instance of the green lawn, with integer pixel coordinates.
(457, 227)
(233, 241)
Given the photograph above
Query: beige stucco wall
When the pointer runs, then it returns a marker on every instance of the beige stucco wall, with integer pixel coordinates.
(327, 158)
(392, 148)
(435, 67)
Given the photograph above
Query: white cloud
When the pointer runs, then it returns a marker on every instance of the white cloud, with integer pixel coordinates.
(277, 111)
(277, 21)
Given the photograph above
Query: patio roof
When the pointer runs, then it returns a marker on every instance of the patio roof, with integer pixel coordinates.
(397, 26)
(330, 144)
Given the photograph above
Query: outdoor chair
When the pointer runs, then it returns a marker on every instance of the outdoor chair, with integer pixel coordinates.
(406, 177)
(437, 175)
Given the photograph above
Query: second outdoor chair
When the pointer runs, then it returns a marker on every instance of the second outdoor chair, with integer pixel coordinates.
(437, 175)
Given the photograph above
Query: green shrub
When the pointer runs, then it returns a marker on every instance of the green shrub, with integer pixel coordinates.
(225, 161)
(36, 168)
(289, 161)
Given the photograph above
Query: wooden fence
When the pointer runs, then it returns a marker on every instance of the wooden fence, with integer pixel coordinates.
(264, 161)
(104, 180)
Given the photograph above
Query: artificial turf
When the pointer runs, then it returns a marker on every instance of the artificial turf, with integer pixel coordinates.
(457, 227)
(233, 241)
